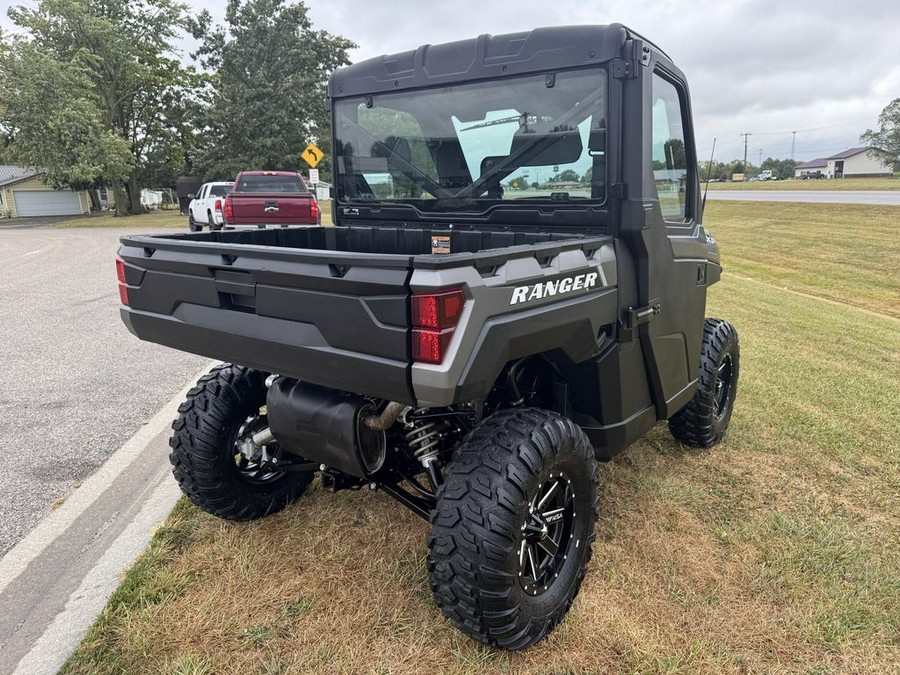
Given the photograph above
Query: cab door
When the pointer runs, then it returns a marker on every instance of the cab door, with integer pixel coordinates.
(660, 225)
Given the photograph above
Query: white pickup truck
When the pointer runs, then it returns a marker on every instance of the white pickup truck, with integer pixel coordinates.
(206, 206)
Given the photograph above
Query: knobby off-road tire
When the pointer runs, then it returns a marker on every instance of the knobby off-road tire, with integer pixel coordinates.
(704, 420)
(205, 459)
(483, 527)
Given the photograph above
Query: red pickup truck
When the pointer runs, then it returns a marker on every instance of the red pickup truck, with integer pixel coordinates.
(262, 198)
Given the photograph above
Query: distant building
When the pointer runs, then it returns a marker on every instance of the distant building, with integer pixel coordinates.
(852, 163)
(857, 163)
(23, 192)
(814, 169)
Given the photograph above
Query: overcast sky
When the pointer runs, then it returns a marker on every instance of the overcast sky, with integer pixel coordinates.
(823, 68)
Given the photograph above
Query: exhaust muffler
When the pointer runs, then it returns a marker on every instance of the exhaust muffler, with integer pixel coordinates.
(343, 431)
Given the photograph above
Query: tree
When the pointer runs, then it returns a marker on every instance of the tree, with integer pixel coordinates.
(885, 142)
(126, 88)
(567, 176)
(51, 118)
(271, 70)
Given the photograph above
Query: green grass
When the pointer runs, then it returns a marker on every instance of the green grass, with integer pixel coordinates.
(886, 183)
(778, 551)
(161, 218)
(843, 252)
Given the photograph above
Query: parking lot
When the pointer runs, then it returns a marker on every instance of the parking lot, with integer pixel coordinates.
(75, 383)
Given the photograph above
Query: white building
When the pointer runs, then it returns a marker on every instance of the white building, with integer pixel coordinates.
(856, 163)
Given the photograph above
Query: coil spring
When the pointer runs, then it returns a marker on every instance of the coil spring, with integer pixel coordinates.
(424, 438)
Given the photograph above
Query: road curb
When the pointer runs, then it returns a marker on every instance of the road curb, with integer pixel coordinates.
(82, 601)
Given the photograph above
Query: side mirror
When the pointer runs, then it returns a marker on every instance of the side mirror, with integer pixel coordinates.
(191, 195)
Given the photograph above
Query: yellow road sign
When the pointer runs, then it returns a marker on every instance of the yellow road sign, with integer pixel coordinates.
(312, 155)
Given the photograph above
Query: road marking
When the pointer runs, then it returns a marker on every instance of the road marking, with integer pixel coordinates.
(57, 522)
(31, 253)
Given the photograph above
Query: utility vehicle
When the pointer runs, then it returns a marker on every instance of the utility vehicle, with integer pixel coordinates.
(514, 289)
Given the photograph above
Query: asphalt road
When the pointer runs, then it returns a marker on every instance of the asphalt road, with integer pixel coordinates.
(882, 197)
(74, 383)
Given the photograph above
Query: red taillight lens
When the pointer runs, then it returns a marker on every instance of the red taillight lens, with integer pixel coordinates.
(434, 318)
(228, 214)
(120, 275)
(314, 210)
(218, 205)
(437, 311)
(430, 346)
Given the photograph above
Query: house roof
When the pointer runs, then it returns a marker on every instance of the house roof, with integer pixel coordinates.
(849, 153)
(10, 173)
(813, 164)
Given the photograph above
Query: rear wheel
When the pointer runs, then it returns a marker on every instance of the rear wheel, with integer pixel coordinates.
(513, 527)
(213, 456)
(704, 420)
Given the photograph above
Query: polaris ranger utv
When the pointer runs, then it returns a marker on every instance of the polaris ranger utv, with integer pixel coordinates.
(514, 289)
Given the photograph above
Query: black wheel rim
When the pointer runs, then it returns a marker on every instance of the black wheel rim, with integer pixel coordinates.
(257, 468)
(724, 382)
(547, 534)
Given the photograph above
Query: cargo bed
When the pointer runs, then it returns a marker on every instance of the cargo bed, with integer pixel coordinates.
(324, 304)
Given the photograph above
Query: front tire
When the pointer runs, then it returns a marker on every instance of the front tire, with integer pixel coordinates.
(193, 225)
(513, 527)
(703, 422)
(213, 424)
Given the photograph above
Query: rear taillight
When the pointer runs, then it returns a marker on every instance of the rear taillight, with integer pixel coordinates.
(228, 213)
(314, 210)
(434, 318)
(218, 206)
(120, 274)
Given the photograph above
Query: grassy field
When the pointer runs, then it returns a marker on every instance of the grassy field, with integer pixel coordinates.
(776, 552)
(164, 219)
(889, 183)
(843, 252)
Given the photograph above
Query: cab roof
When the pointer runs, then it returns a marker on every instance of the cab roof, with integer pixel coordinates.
(484, 57)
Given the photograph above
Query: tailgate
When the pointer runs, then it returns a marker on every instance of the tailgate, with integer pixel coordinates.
(271, 209)
(336, 319)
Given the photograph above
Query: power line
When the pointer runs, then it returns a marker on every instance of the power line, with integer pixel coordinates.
(827, 126)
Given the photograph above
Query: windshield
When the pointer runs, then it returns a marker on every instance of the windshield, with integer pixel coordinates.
(473, 146)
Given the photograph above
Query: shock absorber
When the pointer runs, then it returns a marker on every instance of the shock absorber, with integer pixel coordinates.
(424, 439)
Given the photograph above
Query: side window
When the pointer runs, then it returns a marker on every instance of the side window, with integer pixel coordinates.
(670, 165)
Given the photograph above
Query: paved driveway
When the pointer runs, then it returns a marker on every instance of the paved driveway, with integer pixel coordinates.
(74, 383)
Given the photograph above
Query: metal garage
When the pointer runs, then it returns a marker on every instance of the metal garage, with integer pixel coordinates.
(47, 203)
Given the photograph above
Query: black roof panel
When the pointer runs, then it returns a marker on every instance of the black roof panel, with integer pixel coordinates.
(487, 56)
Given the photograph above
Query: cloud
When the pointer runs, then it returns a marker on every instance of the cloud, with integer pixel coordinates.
(759, 66)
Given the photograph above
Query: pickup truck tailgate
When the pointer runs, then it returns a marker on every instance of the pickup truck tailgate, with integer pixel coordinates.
(335, 318)
(271, 209)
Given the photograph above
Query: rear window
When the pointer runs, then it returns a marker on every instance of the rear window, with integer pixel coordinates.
(271, 184)
(220, 190)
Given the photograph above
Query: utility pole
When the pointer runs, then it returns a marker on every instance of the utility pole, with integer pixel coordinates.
(746, 142)
(793, 143)
(760, 157)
